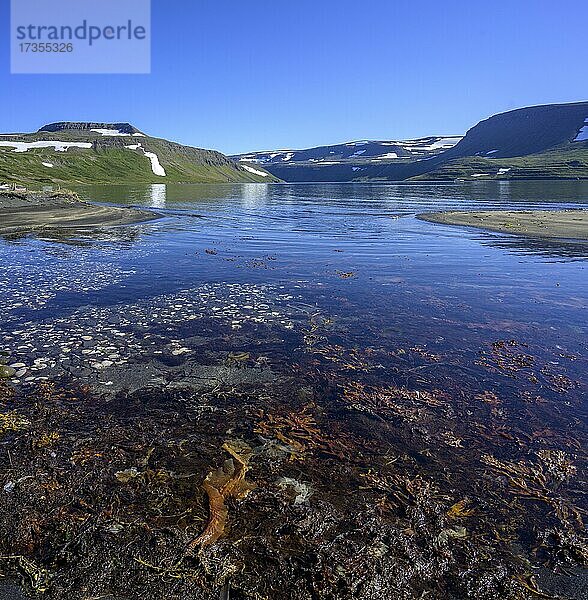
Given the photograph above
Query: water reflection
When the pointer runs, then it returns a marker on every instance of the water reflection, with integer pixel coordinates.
(375, 221)
(254, 195)
(563, 249)
(105, 237)
(504, 192)
(156, 195)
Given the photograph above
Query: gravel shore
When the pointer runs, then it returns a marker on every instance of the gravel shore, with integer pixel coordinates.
(31, 211)
(561, 224)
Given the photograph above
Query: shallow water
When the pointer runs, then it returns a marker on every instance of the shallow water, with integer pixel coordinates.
(401, 272)
(356, 253)
(337, 288)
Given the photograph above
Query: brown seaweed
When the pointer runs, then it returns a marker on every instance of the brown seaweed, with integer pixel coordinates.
(221, 484)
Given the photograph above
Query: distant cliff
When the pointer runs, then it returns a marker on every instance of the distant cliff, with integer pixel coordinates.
(82, 126)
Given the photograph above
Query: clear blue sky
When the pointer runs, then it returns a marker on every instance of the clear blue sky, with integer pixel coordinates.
(239, 76)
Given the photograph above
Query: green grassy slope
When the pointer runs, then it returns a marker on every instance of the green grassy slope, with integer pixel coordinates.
(569, 161)
(108, 161)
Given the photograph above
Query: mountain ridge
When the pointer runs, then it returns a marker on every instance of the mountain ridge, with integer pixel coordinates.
(530, 142)
(543, 141)
(375, 149)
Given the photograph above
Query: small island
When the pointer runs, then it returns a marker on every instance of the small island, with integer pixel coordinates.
(557, 224)
(24, 211)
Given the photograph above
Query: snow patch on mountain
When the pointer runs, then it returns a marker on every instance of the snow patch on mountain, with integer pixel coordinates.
(254, 171)
(116, 133)
(155, 164)
(110, 132)
(583, 133)
(57, 146)
(267, 157)
(421, 145)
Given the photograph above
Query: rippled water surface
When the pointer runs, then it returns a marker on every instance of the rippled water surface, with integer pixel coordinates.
(309, 235)
(354, 252)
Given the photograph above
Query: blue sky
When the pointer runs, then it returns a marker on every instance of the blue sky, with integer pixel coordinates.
(239, 76)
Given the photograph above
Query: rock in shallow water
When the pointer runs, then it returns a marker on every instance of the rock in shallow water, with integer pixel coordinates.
(6, 372)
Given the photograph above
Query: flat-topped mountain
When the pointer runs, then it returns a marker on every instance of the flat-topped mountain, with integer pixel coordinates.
(96, 152)
(117, 128)
(357, 152)
(548, 141)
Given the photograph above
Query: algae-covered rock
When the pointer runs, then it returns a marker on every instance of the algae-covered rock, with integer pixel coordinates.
(6, 372)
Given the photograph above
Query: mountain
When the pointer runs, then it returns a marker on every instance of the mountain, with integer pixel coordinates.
(523, 131)
(348, 160)
(355, 152)
(538, 142)
(549, 141)
(116, 128)
(70, 152)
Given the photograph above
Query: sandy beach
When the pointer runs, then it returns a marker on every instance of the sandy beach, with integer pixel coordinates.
(560, 224)
(32, 211)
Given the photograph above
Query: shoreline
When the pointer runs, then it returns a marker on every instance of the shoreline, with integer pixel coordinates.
(552, 224)
(22, 212)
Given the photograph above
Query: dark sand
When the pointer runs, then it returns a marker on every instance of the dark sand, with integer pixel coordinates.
(561, 224)
(22, 212)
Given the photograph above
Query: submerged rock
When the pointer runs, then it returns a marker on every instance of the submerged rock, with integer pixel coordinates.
(6, 372)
